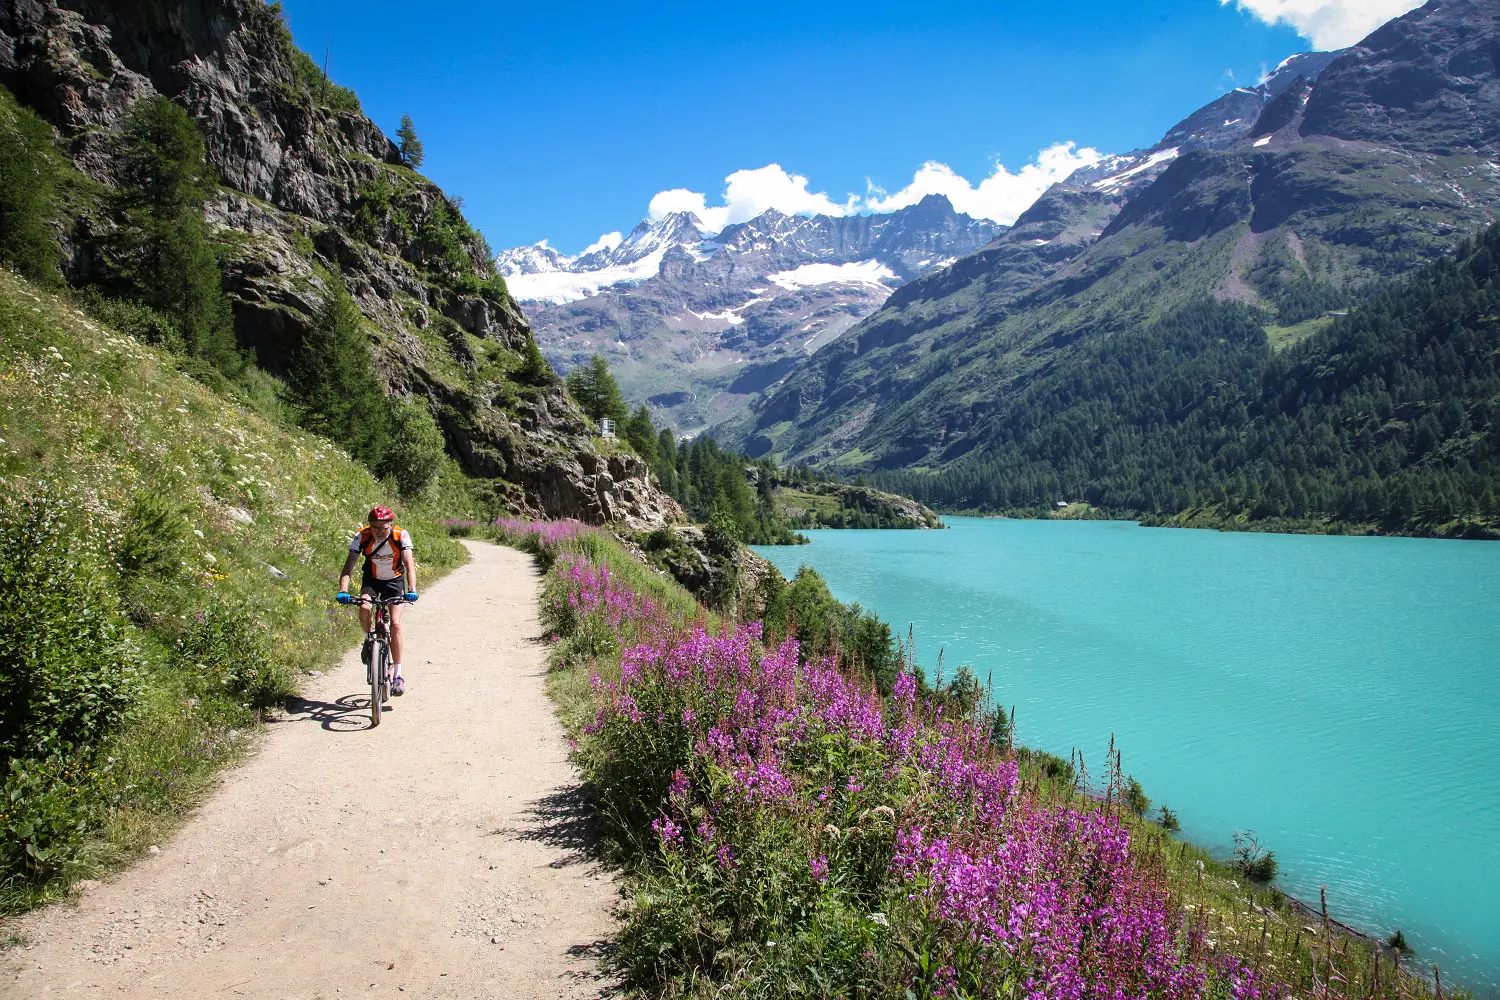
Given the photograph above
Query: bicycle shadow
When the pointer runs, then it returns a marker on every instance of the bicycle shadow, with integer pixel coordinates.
(348, 714)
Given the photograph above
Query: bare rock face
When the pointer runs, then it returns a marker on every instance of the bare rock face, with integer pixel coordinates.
(306, 190)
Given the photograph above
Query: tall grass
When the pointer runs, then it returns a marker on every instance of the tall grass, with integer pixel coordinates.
(787, 830)
(191, 548)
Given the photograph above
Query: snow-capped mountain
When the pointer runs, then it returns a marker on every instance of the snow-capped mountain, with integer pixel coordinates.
(697, 323)
(1216, 125)
(540, 274)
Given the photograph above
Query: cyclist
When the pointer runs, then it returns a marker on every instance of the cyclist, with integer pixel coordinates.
(389, 568)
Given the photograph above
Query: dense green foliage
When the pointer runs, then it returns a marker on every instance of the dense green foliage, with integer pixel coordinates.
(595, 389)
(713, 486)
(317, 84)
(309, 75)
(141, 624)
(28, 176)
(339, 396)
(164, 257)
(1384, 419)
(430, 233)
(338, 392)
(415, 450)
(409, 144)
(66, 675)
(805, 608)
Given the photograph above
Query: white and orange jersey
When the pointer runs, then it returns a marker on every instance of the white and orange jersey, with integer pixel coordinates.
(382, 558)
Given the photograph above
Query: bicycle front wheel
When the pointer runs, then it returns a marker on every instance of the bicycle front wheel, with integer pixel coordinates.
(377, 682)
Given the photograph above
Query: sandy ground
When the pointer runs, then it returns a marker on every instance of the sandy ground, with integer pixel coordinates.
(442, 854)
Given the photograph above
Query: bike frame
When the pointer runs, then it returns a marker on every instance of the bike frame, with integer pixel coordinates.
(378, 670)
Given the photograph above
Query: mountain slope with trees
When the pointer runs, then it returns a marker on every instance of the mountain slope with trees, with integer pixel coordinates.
(223, 192)
(1387, 419)
(1358, 172)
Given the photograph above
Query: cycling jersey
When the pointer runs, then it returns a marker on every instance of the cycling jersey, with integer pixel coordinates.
(382, 558)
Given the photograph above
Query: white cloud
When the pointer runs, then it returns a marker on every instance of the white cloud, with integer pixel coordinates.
(606, 242)
(1001, 196)
(1329, 24)
(749, 193)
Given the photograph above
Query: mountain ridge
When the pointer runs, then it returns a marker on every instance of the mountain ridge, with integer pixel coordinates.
(697, 323)
(1271, 212)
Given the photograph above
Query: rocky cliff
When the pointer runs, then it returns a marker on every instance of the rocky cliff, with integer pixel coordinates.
(310, 187)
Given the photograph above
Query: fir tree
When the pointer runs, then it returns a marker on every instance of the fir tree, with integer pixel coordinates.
(641, 433)
(27, 194)
(338, 393)
(166, 254)
(410, 145)
(596, 390)
(534, 368)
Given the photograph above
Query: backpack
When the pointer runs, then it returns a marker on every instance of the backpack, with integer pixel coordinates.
(372, 548)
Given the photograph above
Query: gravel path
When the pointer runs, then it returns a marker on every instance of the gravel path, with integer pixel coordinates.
(440, 855)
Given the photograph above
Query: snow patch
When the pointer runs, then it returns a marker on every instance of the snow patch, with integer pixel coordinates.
(868, 272)
(557, 287)
(1112, 184)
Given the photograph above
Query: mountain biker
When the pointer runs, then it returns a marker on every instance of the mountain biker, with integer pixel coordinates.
(389, 568)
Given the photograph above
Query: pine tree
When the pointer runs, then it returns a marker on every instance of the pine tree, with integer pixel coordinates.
(596, 390)
(534, 369)
(338, 393)
(641, 433)
(415, 448)
(410, 145)
(27, 195)
(165, 249)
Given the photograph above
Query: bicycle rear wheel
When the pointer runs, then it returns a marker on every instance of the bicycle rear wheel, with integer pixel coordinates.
(377, 682)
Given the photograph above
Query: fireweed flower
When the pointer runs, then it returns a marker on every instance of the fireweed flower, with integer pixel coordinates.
(668, 832)
(746, 738)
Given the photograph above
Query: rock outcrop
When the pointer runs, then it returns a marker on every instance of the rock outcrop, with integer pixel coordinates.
(310, 188)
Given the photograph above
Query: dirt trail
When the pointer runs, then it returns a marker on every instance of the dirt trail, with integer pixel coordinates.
(440, 855)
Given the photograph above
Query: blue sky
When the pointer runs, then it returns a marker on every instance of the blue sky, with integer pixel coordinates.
(562, 121)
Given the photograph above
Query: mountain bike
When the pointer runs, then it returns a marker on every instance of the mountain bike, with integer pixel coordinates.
(378, 645)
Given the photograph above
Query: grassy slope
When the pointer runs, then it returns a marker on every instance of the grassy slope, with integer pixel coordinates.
(1256, 922)
(96, 419)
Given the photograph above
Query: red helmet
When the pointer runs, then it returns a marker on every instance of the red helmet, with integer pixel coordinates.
(381, 514)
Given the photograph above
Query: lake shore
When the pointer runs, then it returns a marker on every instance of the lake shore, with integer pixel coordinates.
(1224, 662)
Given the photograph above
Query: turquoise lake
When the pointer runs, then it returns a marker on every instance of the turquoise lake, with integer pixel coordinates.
(1338, 696)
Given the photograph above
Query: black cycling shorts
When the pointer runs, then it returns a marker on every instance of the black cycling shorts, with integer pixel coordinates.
(383, 588)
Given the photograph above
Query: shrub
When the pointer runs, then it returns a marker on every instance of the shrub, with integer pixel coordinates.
(28, 198)
(414, 450)
(319, 87)
(148, 325)
(1048, 765)
(1251, 860)
(67, 672)
(1134, 797)
(151, 536)
(1167, 817)
(376, 216)
(224, 651)
(45, 811)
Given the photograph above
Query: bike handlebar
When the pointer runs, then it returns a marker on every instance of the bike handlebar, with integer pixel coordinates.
(360, 600)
